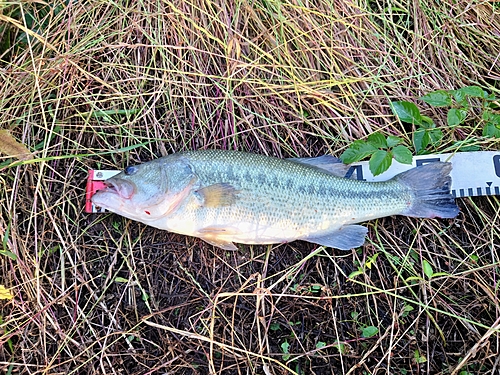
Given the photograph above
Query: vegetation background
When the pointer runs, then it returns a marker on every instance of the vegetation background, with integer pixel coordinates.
(103, 84)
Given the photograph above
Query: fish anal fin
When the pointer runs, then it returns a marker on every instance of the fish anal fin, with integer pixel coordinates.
(345, 238)
(216, 195)
(326, 163)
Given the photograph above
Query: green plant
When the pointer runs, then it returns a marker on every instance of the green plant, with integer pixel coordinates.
(284, 348)
(368, 265)
(367, 331)
(320, 345)
(406, 311)
(275, 327)
(35, 19)
(381, 151)
(426, 132)
(459, 100)
(419, 358)
(341, 347)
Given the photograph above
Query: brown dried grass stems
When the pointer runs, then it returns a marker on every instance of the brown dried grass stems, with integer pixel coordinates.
(103, 84)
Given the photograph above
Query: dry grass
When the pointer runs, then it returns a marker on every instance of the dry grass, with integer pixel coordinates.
(103, 84)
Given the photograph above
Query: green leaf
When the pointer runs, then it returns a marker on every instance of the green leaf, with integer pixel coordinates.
(320, 344)
(407, 310)
(121, 279)
(491, 130)
(274, 327)
(357, 151)
(492, 127)
(420, 140)
(460, 97)
(467, 145)
(377, 140)
(393, 141)
(428, 269)
(491, 117)
(413, 278)
(380, 161)
(9, 254)
(469, 148)
(340, 347)
(439, 98)
(473, 91)
(353, 274)
(435, 136)
(402, 154)
(371, 260)
(419, 358)
(456, 116)
(285, 347)
(491, 105)
(406, 112)
(427, 122)
(130, 338)
(369, 331)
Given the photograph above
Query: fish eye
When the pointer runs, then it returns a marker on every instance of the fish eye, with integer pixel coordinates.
(130, 170)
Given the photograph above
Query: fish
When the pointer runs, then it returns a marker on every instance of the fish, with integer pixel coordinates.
(227, 197)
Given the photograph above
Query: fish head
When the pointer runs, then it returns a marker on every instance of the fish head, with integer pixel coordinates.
(145, 192)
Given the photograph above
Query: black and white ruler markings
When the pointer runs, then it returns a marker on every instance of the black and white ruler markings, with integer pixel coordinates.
(473, 174)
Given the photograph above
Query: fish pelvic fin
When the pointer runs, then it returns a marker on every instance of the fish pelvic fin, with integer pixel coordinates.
(430, 184)
(215, 236)
(345, 238)
(216, 195)
(221, 244)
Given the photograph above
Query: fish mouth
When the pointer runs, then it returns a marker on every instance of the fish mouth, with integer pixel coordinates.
(111, 187)
(124, 189)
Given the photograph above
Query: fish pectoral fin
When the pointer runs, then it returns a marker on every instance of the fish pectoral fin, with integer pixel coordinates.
(216, 195)
(326, 163)
(213, 235)
(345, 238)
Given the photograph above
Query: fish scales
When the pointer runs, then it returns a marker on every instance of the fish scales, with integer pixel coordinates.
(283, 193)
(229, 196)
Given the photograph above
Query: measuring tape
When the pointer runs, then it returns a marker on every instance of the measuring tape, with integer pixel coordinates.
(474, 174)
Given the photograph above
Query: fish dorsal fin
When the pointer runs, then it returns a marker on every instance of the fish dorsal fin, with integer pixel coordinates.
(216, 195)
(345, 238)
(325, 163)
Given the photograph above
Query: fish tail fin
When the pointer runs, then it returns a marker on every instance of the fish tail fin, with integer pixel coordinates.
(431, 185)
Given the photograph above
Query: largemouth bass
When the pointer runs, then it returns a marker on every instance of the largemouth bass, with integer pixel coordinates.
(228, 196)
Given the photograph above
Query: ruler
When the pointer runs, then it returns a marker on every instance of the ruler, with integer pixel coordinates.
(474, 174)
(95, 181)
